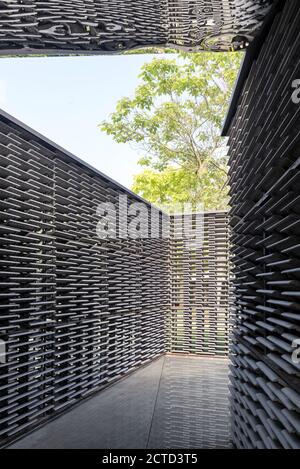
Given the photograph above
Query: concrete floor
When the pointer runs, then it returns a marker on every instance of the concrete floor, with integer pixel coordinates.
(175, 402)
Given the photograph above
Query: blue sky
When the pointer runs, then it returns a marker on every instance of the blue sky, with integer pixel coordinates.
(65, 98)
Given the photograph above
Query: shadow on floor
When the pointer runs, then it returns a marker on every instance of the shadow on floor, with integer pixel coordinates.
(175, 402)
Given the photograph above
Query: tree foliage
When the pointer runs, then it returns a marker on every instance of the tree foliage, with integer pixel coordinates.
(174, 119)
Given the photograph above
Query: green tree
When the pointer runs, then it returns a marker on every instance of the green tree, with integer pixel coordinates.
(174, 118)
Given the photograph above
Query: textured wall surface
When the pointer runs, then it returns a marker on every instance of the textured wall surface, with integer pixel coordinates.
(76, 311)
(265, 190)
(116, 25)
(199, 315)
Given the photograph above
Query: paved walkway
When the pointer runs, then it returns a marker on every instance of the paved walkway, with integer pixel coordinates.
(175, 402)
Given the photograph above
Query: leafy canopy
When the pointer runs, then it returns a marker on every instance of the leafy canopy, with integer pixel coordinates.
(174, 119)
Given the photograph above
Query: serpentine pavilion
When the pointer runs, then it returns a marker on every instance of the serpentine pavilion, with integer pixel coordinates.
(172, 341)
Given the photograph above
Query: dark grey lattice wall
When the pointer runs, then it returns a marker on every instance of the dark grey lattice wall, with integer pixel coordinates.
(75, 312)
(265, 219)
(116, 25)
(199, 321)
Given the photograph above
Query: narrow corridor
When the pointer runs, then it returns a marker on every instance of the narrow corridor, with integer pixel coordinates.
(175, 402)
